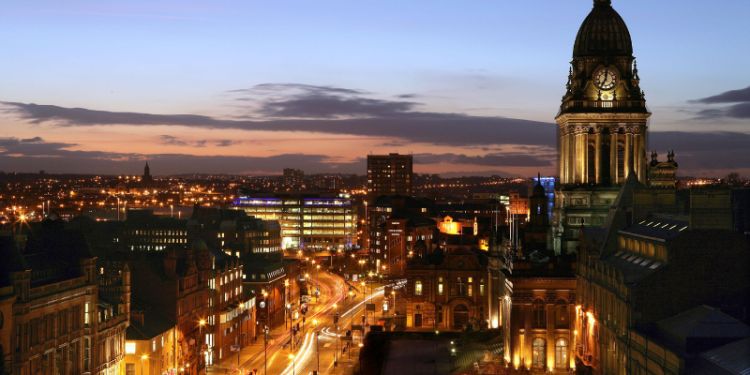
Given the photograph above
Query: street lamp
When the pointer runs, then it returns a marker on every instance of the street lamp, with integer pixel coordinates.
(291, 357)
(317, 343)
(264, 305)
(286, 299)
(265, 350)
(364, 299)
(338, 338)
(393, 294)
(201, 324)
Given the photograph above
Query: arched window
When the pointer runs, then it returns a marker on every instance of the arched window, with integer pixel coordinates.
(418, 288)
(540, 318)
(561, 353)
(538, 349)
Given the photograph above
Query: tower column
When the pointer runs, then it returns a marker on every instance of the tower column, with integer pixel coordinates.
(586, 172)
(581, 158)
(628, 152)
(563, 156)
(571, 156)
(613, 172)
(598, 154)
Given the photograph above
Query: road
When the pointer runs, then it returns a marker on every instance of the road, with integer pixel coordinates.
(333, 291)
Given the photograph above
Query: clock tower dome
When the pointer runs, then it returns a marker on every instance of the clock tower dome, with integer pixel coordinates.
(602, 124)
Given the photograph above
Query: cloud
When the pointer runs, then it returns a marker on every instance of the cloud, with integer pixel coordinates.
(314, 105)
(292, 100)
(739, 107)
(417, 127)
(225, 143)
(732, 96)
(283, 87)
(493, 159)
(174, 141)
(289, 107)
(21, 156)
(704, 151)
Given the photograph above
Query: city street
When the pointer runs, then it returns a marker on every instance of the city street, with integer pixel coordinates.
(308, 352)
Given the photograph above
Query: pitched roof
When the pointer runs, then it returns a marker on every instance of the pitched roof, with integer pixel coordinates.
(702, 322)
(657, 228)
(734, 358)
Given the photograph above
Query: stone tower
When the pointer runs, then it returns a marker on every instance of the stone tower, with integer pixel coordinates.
(602, 125)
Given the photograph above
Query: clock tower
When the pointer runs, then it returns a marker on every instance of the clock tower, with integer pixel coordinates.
(602, 125)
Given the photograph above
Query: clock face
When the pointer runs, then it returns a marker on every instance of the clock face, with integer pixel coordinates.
(605, 78)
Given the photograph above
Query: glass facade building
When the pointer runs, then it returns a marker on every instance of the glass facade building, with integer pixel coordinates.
(308, 221)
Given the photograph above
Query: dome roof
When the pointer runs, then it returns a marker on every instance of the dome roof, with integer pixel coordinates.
(603, 33)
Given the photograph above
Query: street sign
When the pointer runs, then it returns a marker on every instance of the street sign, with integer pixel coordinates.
(370, 307)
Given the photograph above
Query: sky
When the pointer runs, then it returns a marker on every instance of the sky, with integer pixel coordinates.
(252, 87)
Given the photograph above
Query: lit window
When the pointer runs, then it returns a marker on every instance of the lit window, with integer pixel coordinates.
(417, 288)
(129, 347)
(561, 353)
(86, 314)
(538, 352)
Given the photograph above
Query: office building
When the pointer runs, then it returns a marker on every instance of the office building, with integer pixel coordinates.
(390, 174)
(308, 221)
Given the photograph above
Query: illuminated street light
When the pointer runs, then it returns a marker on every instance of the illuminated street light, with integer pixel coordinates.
(291, 357)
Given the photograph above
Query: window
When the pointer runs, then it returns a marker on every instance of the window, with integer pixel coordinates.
(129, 369)
(561, 353)
(86, 314)
(461, 286)
(539, 315)
(561, 314)
(471, 287)
(129, 347)
(440, 286)
(87, 354)
(481, 287)
(417, 288)
(538, 348)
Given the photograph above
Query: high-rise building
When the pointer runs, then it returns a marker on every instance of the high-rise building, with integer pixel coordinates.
(602, 125)
(293, 178)
(389, 175)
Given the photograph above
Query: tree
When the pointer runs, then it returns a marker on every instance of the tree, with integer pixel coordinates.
(733, 179)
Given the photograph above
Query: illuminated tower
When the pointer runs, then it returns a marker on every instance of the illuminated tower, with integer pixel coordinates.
(602, 125)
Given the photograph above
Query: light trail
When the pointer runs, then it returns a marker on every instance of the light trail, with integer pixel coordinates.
(378, 292)
(301, 357)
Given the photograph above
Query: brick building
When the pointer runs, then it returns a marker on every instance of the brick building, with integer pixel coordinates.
(68, 316)
(446, 291)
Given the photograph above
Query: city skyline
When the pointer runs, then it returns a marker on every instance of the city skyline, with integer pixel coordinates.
(252, 88)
